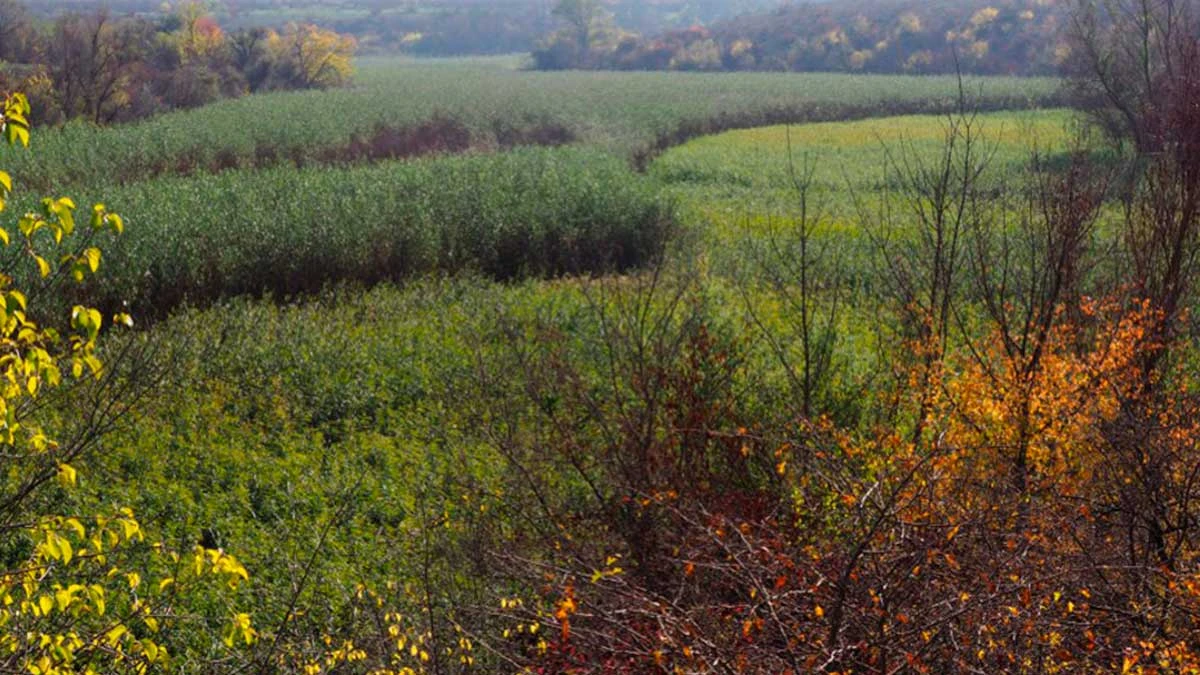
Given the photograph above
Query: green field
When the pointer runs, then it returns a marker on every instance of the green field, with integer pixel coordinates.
(742, 176)
(387, 405)
(283, 231)
(275, 223)
(372, 339)
(616, 112)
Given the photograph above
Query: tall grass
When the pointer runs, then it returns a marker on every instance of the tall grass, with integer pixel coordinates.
(533, 212)
(624, 113)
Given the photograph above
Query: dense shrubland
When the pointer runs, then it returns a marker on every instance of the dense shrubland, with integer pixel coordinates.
(83, 591)
(676, 468)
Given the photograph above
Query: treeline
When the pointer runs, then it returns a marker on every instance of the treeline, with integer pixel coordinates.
(434, 27)
(1020, 37)
(506, 27)
(104, 68)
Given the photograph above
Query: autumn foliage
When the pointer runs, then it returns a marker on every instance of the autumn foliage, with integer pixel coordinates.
(1024, 500)
(105, 68)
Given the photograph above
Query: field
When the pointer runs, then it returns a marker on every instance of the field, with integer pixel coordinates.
(410, 380)
(390, 406)
(284, 231)
(228, 173)
(736, 178)
(621, 113)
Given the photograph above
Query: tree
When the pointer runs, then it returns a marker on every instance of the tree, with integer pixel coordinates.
(86, 595)
(1127, 59)
(93, 60)
(309, 57)
(199, 36)
(250, 57)
(589, 26)
(581, 17)
(17, 37)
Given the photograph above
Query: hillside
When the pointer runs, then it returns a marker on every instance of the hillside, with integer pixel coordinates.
(434, 27)
(1021, 37)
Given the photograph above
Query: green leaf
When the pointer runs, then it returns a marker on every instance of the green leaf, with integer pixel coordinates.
(29, 224)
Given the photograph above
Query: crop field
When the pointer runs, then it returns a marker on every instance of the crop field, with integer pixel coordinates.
(616, 112)
(253, 195)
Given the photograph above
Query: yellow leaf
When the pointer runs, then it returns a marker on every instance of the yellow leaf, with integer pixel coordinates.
(92, 255)
(63, 599)
(67, 475)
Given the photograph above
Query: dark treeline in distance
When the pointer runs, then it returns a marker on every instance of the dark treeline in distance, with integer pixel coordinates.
(1020, 37)
(434, 27)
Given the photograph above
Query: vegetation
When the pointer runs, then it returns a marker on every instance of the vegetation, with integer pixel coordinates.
(468, 105)
(430, 27)
(1129, 66)
(286, 231)
(1017, 37)
(75, 597)
(909, 387)
(94, 67)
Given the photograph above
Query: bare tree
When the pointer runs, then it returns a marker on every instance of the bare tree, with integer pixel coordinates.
(1125, 55)
(91, 63)
(16, 32)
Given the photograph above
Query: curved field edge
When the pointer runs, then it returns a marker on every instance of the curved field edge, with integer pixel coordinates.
(635, 115)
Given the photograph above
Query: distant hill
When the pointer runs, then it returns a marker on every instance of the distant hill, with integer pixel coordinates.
(436, 27)
(1020, 37)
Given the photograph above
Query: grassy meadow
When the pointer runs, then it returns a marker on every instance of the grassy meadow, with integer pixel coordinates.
(350, 347)
(615, 112)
